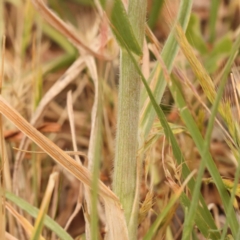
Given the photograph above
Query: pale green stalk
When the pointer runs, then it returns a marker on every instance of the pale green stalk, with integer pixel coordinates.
(125, 164)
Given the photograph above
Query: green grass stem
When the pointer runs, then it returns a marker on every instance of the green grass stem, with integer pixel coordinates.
(125, 163)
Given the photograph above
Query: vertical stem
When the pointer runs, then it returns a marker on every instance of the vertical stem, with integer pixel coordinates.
(94, 152)
(125, 164)
(96, 147)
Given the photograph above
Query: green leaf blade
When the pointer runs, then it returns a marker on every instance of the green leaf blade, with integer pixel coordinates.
(33, 211)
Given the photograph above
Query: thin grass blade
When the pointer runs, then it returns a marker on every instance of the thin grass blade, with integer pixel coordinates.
(197, 137)
(94, 151)
(168, 54)
(121, 26)
(22, 220)
(205, 80)
(33, 211)
(44, 207)
(189, 219)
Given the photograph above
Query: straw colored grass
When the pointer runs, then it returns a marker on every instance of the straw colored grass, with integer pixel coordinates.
(113, 126)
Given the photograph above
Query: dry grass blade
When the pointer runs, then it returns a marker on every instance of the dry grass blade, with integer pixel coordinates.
(93, 154)
(2, 63)
(112, 204)
(62, 82)
(62, 27)
(72, 126)
(116, 221)
(44, 206)
(62, 117)
(9, 236)
(72, 72)
(16, 135)
(50, 148)
(146, 206)
(71, 153)
(152, 37)
(74, 142)
(23, 221)
(2, 157)
(77, 208)
(145, 60)
(93, 71)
